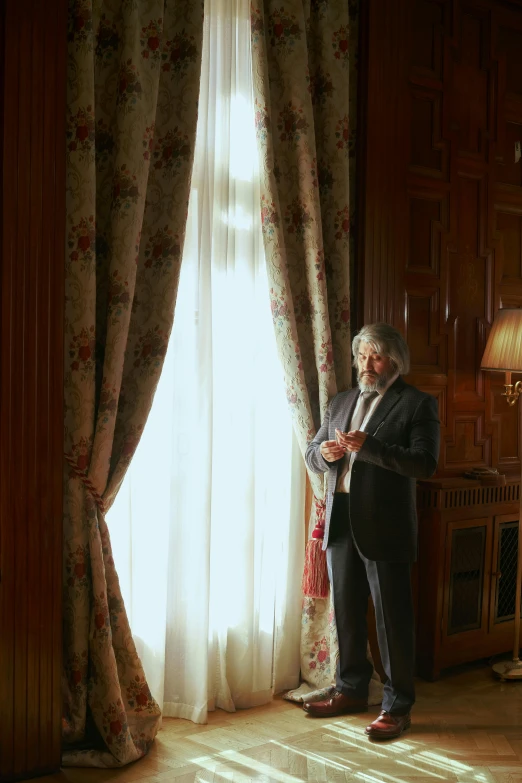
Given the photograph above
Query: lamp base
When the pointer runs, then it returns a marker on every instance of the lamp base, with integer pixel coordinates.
(508, 670)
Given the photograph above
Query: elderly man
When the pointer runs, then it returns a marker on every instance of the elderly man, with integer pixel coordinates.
(374, 442)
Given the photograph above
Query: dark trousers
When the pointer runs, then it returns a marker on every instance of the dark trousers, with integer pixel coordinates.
(352, 579)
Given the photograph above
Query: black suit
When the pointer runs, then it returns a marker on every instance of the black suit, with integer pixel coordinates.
(371, 533)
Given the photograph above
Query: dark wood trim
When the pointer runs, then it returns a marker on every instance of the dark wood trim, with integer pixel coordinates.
(385, 161)
(2, 79)
(33, 94)
(358, 277)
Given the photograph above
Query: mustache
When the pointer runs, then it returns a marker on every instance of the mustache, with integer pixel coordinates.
(375, 380)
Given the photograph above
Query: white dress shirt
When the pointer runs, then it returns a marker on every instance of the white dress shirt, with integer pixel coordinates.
(345, 469)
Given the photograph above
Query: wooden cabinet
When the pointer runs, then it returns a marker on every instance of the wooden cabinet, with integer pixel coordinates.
(468, 537)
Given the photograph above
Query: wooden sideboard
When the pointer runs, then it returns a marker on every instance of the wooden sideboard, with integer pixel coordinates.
(468, 536)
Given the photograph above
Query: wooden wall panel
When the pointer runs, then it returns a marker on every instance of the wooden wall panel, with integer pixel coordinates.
(427, 151)
(31, 393)
(427, 219)
(509, 228)
(508, 171)
(508, 46)
(441, 245)
(422, 309)
(427, 43)
(468, 287)
(469, 94)
(385, 244)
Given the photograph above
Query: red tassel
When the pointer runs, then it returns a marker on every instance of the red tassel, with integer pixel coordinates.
(315, 574)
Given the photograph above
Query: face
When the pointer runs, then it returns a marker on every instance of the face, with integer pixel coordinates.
(373, 370)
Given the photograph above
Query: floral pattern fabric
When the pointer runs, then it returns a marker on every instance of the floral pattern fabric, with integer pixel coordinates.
(133, 84)
(302, 109)
(319, 651)
(304, 60)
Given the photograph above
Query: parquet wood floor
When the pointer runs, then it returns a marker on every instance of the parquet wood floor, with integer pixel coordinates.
(467, 727)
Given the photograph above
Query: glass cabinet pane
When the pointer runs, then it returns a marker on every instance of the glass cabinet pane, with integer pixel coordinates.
(466, 578)
(506, 567)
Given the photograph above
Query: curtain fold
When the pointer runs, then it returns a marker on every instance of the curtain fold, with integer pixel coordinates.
(133, 84)
(301, 95)
(302, 56)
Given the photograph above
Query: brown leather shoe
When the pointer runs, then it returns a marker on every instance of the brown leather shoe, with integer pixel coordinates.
(336, 704)
(388, 726)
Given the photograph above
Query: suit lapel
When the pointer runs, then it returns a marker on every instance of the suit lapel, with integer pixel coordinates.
(345, 414)
(390, 399)
(340, 421)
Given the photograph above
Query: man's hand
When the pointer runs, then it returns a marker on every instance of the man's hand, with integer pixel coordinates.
(331, 450)
(350, 441)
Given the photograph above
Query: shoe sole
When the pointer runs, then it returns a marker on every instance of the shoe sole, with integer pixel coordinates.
(336, 713)
(383, 737)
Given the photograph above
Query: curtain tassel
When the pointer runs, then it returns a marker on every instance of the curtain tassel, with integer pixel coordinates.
(315, 574)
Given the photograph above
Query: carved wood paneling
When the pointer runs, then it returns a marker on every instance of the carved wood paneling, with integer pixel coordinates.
(385, 244)
(422, 309)
(469, 284)
(428, 152)
(428, 220)
(473, 494)
(509, 47)
(468, 94)
(439, 392)
(509, 227)
(469, 445)
(508, 170)
(32, 248)
(442, 236)
(427, 43)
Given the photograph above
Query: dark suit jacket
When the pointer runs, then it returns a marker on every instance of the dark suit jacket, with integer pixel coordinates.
(402, 445)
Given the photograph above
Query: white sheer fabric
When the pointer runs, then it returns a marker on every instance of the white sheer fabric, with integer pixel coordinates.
(207, 530)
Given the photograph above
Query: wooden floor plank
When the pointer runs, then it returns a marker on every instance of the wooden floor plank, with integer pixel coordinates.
(466, 728)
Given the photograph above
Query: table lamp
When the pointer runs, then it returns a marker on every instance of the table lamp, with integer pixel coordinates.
(503, 353)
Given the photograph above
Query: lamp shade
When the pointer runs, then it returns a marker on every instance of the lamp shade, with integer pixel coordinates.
(504, 346)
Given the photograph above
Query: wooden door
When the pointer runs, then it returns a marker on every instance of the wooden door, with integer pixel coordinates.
(32, 214)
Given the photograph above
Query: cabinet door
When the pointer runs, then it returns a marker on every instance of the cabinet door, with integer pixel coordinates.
(504, 571)
(467, 581)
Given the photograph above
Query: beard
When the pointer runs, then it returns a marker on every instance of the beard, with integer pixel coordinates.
(373, 382)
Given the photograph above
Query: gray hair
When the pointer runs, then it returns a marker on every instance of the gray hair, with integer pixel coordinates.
(387, 341)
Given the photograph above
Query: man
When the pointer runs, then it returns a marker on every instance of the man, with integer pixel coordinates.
(374, 442)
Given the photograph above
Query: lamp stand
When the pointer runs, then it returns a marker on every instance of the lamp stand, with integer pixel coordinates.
(512, 670)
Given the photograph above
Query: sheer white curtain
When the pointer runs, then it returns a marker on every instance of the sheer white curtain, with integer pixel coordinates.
(207, 530)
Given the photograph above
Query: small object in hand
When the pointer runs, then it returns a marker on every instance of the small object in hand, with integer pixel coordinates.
(337, 438)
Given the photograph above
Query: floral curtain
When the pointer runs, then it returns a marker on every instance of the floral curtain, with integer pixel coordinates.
(303, 62)
(133, 84)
